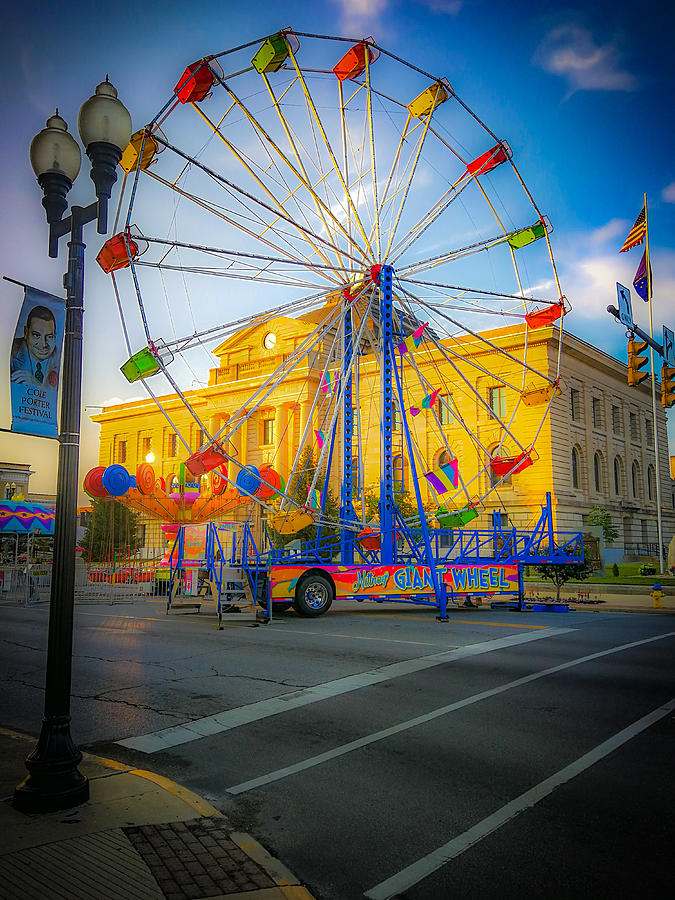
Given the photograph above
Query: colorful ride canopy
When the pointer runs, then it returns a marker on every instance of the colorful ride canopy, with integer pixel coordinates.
(22, 517)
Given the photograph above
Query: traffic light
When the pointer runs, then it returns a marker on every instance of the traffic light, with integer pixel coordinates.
(635, 362)
(667, 386)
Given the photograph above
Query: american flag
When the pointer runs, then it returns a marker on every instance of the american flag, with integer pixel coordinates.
(637, 233)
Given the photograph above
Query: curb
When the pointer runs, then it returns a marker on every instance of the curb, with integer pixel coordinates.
(288, 885)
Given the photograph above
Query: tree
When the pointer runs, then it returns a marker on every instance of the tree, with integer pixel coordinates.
(113, 527)
(296, 489)
(406, 504)
(560, 573)
(598, 515)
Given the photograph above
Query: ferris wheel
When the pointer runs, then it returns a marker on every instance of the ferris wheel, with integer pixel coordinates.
(292, 175)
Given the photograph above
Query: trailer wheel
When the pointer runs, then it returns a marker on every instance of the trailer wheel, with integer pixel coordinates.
(313, 595)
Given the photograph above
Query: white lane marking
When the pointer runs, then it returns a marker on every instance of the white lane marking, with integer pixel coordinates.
(427, 717)
(360, 637)
(420, 869)
(253, 712)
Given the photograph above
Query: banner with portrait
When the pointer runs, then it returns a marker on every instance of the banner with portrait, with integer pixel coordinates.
(35, 364)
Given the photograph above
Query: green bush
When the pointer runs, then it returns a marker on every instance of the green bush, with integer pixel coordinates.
(615, 570)
(647, 569)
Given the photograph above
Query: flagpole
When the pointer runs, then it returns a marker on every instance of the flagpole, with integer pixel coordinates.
(656, 430)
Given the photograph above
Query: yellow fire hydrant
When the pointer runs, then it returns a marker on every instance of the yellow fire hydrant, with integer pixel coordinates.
(657, 596)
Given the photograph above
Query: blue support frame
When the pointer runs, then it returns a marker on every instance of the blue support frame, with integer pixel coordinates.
(347, 515)
(440, 588)
(387, 515)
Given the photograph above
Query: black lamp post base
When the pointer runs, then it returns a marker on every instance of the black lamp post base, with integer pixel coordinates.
(54, 781)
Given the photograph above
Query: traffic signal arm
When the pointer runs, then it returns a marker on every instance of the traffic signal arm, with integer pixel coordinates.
(636, 362)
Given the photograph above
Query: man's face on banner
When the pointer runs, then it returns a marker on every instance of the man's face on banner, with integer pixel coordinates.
(40, 337)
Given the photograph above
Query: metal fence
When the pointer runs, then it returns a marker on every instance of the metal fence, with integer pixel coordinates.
(25, 584)
(29, 584)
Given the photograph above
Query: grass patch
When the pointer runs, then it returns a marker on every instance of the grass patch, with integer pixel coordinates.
(628, 574)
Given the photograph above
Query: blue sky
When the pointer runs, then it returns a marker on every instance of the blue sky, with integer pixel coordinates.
(583, 96)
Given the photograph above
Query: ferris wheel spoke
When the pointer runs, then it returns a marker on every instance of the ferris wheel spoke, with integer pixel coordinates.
(461, 252)
(218, 212)
(394, 163)
(339, 394)
(315, 115)
(259, 128)
(481, 293)
(484, 340)
(219, 178)
(253, 174)
(413, 170)
(428, 386)
(306, 179)
(373, 168)
(242, 254)
(429, 218)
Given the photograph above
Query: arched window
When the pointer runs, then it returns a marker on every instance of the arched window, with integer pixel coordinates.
(576, 469)
(635, 479)
(618, 476)
(444, 459)
(597, 473)
(651, 483)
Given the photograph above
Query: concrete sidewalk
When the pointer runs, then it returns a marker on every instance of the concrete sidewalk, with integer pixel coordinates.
(139, 835)
(604, 597)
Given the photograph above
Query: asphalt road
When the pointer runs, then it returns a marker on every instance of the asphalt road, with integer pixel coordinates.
(378, 752)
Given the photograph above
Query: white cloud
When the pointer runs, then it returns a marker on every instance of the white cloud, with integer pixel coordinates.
(668, 193)
(590, 285)
(571, 52)
(362, 17)
(609, 232)
(359, 17)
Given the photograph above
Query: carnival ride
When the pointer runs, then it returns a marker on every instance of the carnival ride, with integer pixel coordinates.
(325, 177)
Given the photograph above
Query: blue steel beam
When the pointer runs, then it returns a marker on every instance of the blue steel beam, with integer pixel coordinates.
(347, 515)
(387, 537)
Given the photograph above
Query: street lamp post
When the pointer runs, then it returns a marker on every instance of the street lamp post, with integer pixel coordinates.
(54, 780)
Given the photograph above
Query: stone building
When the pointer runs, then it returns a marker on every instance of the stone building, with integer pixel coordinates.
(596, 447)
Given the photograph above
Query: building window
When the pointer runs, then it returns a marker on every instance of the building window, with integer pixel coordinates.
(597, 413)
(634, 428)
(649, 429)
(635, 479)
(121, 451)
(597, 472)
(651, 483)
(575, 405)
(268, 431)
(576, 469)
(445, 409)
(618, 477)
(497, 401)
(399, 475)
(617, 425)
(173, 445)
(199, 438)
(146, 444)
